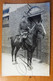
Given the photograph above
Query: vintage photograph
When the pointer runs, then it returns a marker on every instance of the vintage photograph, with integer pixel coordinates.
(26, 39)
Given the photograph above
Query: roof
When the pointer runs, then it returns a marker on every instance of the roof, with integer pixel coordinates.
(35, 10)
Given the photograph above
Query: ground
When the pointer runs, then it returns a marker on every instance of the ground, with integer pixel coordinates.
(21, 69)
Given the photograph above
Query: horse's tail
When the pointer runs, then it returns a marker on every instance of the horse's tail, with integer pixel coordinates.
(12, 37)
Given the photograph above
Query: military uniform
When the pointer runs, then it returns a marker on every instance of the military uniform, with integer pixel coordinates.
(27, 23)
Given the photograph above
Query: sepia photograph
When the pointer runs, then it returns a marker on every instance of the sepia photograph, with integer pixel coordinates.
(26, 39)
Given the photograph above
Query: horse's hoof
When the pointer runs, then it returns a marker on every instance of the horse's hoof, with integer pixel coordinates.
(12, 60)
(31, 67)
(40, 61)
(16, 62)
(13, 63)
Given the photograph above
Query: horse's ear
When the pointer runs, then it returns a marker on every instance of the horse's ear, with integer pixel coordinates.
(8, 38)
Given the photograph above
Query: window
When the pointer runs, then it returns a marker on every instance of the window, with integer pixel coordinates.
(6, 11)
(6, 21)
(6, 17)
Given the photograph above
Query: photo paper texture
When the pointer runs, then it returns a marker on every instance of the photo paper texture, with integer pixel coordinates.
(26, 39)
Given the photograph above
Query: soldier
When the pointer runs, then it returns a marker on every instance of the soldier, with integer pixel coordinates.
(23, 30)
(26, 31)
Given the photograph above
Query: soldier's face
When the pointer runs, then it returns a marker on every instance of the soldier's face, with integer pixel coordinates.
(38, 23)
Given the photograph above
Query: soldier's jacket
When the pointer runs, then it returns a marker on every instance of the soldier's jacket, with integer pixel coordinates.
(26, 27)
(25, 31)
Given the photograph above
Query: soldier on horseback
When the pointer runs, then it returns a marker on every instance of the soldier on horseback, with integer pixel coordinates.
(26, 28)
(30, 26)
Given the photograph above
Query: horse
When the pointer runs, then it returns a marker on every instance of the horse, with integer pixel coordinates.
(15, 42)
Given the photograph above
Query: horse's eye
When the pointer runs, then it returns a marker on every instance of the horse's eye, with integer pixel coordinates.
(38, 21)
(41, 20)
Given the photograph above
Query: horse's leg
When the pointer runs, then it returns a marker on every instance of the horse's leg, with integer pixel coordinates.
(17, 48)
(16, 53)
(30, 58)
(12, 47)
(27, 57)
(12, 52)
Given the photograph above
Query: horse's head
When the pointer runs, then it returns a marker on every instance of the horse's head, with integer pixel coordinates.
(39, 28)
